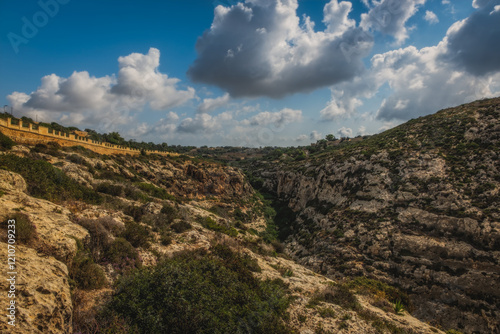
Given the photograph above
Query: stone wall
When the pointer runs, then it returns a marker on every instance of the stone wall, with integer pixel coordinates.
(32, 134)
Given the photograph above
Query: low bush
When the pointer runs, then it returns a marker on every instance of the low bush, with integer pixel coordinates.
(154, 191)
(99, 237)
(181, 226)
(209, 223)
(86, 274)
(122, 255)
(198, 292)
(169, 210)
(339, 295)
(110, 189)
(111, 225)
(157, 221)
(25, 230)
(138, 235)
(136, 212)
(380, 289)
(5, 142)
(52, 148)
(165, 237)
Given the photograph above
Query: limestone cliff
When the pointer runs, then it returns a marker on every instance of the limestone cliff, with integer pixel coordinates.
(416, 206)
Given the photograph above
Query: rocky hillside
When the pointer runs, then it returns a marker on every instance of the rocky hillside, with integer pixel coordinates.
(417, 206)
(155, 244)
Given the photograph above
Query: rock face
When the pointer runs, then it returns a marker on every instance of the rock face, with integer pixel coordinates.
(43, 297)
(53, 225)
(416, 206)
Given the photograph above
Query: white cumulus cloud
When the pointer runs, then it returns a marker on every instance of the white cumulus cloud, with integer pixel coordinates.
(278, 118)
(210, 104)
(85, 99)
(390, 17)
(261, 48)
(431, 17)
(345, 132)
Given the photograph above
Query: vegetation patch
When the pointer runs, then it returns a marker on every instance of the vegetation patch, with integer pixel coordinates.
(382, 290)
(154, 191)
(48, 182)
(198, 292)
(25, 230)
(5, 142)
(211, 224)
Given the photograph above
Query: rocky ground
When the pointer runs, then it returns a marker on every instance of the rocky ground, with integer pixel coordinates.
(126, 201)
(416, 206)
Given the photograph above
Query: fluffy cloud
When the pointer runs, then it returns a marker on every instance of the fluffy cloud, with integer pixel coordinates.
(301, 138)
(278, 118)
(345, 132)
(210, 104)
(200, 123)
(362, 130)
(422, 83)
(463, 67)
(85, 99)
(390, 16)
(473, 43)
(259, 48)
(431, 17)
(479, 3)
(139, 78)
(315, 136)
(340, 105)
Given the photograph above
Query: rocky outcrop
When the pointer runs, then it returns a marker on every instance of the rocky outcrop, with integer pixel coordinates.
(42, 294)
(416, 206)
(53, 225)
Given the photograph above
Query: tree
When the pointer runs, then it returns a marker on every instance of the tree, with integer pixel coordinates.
(330, 137)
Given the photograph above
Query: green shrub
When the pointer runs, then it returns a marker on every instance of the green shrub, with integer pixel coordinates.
(99, 237)
(181, 226)
(110, 189)
(154, 191)
(138, 235)
(157, 221)
(209, 223)
(111, 225)
(25, 230)
(374, 287)
(47, 182)
(132, 193)
(5, 142)
(399, 307)
(339, 295)
(85, 273)
(52, 148)
(75, 158)
(165, 237)
(198, 292)
(135, 212)
(169, 210)
(122, 255)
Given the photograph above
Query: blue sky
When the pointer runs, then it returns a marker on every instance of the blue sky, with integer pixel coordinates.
(245, 73)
